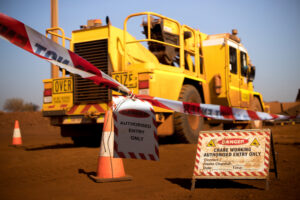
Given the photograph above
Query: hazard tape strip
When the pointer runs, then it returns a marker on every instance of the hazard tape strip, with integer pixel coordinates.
(30, 40)
(218, 112)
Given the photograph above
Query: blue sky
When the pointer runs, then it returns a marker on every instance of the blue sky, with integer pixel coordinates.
(269, 29)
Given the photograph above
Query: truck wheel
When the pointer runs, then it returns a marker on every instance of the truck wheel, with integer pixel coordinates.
(187, 127)
(255, 106)
(83, 134)
(86, 141)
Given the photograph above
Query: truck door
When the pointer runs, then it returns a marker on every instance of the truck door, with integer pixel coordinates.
(245, 95)
(234, 78)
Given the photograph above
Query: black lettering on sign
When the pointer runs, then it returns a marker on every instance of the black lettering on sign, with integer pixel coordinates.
(237, 167)
(125, 79)
(136, 138)
(130, 77)
(56, 87)
(65, 85)
(40, 49)
(218, 113)
(12, 36)
(51, 54)
(66, 62)
(59, 59)
(191, 108)
(3, 29)
(254, 153)
(70, 85)
(62, 86)
(20, 40)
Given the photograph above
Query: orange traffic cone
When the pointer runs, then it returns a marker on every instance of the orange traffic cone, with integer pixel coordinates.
(109, 168)
(17, 138)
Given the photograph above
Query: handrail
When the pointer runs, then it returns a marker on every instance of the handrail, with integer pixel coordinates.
(153, 40)
(149, 35)
(195, 47)
(62, 36)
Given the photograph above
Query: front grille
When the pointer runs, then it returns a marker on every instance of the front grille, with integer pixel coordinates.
(85, 91)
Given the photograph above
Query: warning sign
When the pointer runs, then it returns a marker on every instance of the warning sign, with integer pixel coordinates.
(135, 129)
(233, 154)
(211, 144)
(254, 143)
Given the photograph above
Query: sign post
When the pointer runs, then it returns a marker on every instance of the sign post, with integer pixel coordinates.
(234, 154)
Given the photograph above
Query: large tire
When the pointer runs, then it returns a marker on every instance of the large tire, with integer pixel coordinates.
(187, 127)
(256, 124)
(87, 141)
(256, 106)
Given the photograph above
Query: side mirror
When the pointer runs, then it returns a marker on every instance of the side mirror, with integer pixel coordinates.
(251, 75)
(244, 70)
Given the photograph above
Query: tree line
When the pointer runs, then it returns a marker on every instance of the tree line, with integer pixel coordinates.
(18, 105)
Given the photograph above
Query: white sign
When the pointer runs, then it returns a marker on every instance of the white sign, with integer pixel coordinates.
(233, 154)
(135, 129)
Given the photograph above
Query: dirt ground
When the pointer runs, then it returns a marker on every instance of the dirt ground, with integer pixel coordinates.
(48, 166)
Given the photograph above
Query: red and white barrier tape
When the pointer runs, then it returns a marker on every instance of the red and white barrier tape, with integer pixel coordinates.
(30, 40)
(218, 112)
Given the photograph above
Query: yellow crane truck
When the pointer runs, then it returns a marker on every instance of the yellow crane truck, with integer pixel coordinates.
(171, 61)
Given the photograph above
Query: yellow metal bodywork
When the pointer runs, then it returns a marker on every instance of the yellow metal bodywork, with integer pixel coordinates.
(61, 99)
(236, 90)
(206, 56)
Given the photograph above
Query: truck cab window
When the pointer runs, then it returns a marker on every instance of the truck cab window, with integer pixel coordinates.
(244, 66)
(233, 60)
